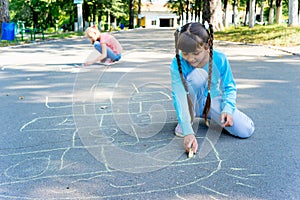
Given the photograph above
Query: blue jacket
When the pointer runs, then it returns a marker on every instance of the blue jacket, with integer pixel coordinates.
(222, 84)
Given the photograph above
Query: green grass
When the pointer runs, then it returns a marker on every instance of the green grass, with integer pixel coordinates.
(275, 35)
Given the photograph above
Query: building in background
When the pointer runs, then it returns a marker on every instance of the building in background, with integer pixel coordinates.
(155, 15)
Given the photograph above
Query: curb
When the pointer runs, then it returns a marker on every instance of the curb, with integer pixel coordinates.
(291, 50)
(39, 42)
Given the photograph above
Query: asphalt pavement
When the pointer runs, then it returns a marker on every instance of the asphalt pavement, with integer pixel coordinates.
(106, 132)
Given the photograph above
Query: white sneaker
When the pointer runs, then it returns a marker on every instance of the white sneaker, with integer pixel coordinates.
(107, 61)
(178, 131)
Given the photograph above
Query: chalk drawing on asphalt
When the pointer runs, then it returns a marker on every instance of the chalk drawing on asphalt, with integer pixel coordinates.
(63, 163)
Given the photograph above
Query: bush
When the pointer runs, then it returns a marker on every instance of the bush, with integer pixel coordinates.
(50, 30)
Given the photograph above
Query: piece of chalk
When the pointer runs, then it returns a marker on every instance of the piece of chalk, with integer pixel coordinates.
(77, 66)
(191, 153)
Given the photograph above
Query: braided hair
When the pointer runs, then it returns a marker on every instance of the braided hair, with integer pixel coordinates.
(188, 39)
(190, 103)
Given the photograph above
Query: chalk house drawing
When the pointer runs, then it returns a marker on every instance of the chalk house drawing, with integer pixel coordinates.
(67, 168)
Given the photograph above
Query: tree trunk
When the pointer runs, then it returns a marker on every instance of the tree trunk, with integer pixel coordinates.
(193, 18)
(298, 11)
(212, 13)
(199, 17)
(225, 13)
(181, 12)
(278, 11)
(139, 13)
(206, 11)
(187, 11)
(131, 14)
(262, 12)
(197, 8)
(293, 13)
(247, 13)
(94, 14)
(216, 15)
(100, 16)
(271, 12)
(235, 14)
(4, 13)
(252, 14)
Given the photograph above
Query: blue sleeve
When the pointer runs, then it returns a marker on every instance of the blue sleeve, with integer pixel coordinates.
(227, 85)
(180, 100)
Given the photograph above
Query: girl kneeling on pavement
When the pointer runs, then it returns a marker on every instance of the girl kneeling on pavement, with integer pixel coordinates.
(203, 85)
(106, 44)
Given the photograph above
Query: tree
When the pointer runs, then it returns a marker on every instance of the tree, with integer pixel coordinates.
(216, 14)
(252, 14)
(293, 13)
(235, 13)
(131, 14)
(4, 13)
(111, 12)
(261, 11)
(51, 13)
(139, 13)
(206, 11)
(225, 13)
(187, 6)
(198, 10)
(41, 13)
(278, 11)
(247, 12)
(212, 13)
(271, 12)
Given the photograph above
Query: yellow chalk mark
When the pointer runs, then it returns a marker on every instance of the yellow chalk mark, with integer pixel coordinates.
(87, 179)
(141, 107)
(238, 169)
(212, 197)
(135, 88)
(61, 123)
(255, 174)
(22, 129)
(168, 96)
(235, 176)
(101, 120)
(214, 191)
(126, 186)
(24, 161)
(180, 197)
(30, 122)
(74, 137)
(62, 159)
(246, 185)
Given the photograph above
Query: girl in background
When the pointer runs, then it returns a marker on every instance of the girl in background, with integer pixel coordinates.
(106, 44)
